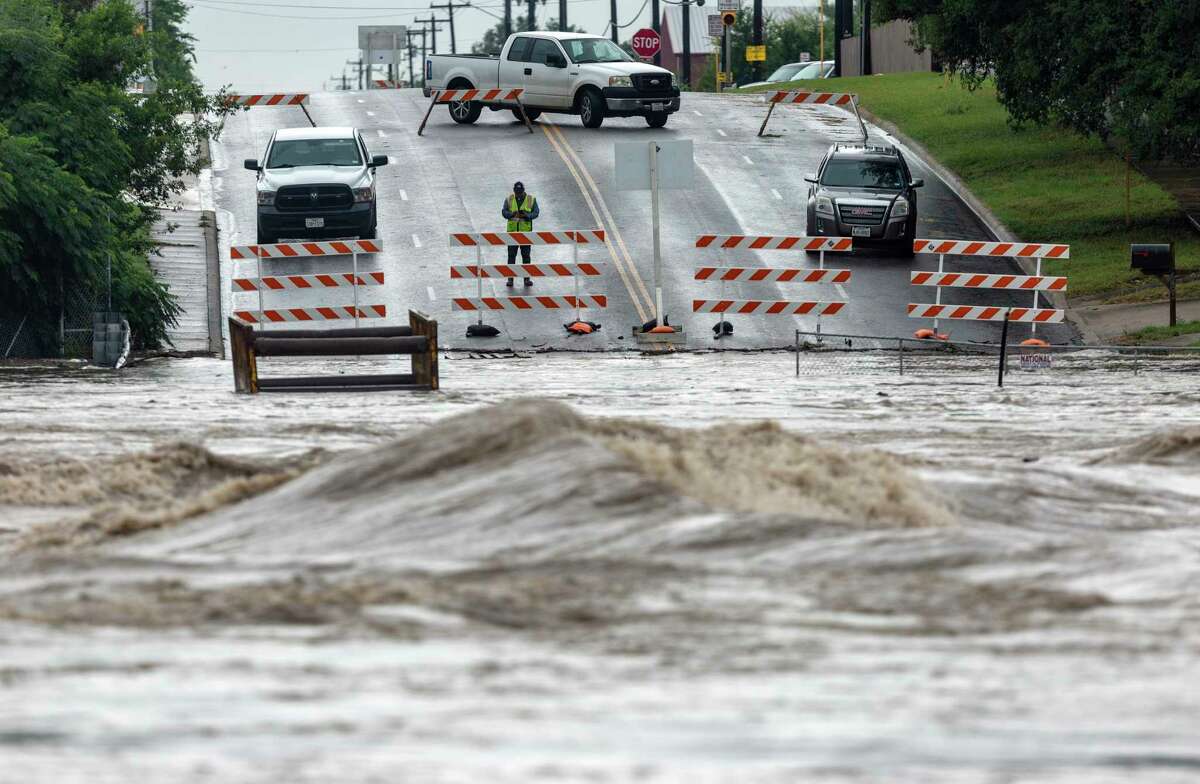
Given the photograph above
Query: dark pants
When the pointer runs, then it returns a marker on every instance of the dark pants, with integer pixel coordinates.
(525, 252)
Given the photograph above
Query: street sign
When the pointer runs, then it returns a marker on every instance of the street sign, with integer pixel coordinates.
(381, 44)
(646, 42)
(716, 28)
(729, 5)
(756, 54)
(805, 57)
(632, 165)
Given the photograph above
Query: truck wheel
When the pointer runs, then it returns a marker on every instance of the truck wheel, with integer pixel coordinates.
(532, 114)
(465, 112)
(591, 109)
(657, 119)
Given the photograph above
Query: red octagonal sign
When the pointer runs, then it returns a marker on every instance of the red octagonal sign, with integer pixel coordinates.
(646, 42)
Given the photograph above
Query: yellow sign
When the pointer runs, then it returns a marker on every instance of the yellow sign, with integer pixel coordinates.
(724, 77)
(756, 54)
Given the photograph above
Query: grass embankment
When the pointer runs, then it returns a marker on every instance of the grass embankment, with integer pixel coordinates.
(1046, 184)
(1155, 335)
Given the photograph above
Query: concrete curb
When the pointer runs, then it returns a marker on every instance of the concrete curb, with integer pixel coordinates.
(984, 215)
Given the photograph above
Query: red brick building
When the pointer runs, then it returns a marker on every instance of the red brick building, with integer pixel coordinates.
(700, 44)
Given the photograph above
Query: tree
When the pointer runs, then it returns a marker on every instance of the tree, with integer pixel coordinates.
(1110, 68)
(84, 163)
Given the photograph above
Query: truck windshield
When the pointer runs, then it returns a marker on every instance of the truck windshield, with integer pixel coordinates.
(595, 50)
(863, 174)
(314, 152)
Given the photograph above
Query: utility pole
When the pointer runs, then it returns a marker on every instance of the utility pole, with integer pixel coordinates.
(358, 68)
(412, 75)
(450, 5)
(507, 19)
(612, 6)
(562, 14)
(755, 38)
(654, 25)
(433, 23)
(867, 70)
(424, 54)
(532, 14)
(686, 7)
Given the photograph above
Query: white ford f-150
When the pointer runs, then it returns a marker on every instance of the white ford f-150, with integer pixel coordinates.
(570, 73)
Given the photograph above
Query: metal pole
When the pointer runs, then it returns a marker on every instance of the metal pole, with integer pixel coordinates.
(370, 67)
(901, 356)
(725, 55)
(479, 280)
(821, 30)
(686, 7)
(354, 286)
(532, 15)
(1003, 347)
(867, 69)
(562, 15)
(507, 19)
(658, 314)
(258, 262)
(756, 36)
(612, 13)
(797, 353)
(575, 275)
(937, 290)
(655, 24)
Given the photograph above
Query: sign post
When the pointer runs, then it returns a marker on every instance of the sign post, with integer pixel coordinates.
(646, 43)
(652, 166)
(381, 45)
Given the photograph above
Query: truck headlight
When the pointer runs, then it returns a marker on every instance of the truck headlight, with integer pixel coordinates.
(364, 194)
(620, 81)
(266, 197)
(900, 208)
(825, 205)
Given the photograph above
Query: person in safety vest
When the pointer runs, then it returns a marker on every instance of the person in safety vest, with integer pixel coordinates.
(520, 210)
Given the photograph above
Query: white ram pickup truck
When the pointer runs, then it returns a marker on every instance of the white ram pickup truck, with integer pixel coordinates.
(569, 73)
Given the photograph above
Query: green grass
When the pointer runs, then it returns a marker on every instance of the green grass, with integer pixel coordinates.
(1151, 335)
(1046, 184)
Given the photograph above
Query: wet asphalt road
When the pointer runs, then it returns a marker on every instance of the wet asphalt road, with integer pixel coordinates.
(454, 178)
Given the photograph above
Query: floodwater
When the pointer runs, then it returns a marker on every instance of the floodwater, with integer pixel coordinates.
(614, 568)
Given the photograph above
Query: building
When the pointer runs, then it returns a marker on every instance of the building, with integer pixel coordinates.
(701, 46)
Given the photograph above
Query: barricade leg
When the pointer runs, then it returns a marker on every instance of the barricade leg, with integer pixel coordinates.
(432, 103)
(524, 116)
(763, 127)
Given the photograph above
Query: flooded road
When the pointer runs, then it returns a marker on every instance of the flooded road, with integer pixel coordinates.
(607, 568)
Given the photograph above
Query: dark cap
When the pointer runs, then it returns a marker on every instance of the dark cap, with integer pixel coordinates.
(518, 186)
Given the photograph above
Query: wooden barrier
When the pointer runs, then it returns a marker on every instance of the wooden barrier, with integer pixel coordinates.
(418, 340)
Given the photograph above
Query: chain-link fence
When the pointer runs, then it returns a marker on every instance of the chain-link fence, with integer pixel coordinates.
(834, 354)
(80, 305)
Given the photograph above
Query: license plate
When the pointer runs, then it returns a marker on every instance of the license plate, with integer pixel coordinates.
(860, 231)
(314, 223)
(657, 107)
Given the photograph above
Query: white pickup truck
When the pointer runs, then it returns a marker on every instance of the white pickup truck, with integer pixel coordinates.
(570, 73)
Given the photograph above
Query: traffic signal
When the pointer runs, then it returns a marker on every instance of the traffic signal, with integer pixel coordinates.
(728, 18)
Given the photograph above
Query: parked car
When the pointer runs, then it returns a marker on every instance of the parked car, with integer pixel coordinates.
(865, 192)
(568, 73)
(316, 183)
(795, 71)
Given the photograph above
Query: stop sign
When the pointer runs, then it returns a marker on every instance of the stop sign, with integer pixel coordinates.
(646, 42)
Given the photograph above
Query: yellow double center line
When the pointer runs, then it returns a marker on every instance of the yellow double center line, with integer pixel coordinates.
(591, 194)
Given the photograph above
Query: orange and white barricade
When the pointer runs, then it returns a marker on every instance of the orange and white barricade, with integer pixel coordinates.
(261, 283)
(272, 99)
(496, 96)
(812, 98)
(540, 271)
(727, 273)
(942, 279)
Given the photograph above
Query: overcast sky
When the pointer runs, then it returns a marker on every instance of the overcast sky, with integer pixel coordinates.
(302, 45)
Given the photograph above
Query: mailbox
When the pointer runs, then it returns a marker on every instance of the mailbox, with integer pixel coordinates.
(1153, 259)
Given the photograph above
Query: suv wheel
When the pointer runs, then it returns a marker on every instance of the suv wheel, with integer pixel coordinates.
(657, 119)
(532, 114)
(591, 109)
(465, 112)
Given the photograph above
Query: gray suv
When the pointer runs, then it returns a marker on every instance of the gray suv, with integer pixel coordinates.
(865, 192)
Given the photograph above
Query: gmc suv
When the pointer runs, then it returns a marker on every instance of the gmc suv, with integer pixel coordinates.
(864, 192)
(316, 183)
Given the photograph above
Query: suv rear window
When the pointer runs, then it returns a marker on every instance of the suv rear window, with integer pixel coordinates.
(863, 174)
(314, 152)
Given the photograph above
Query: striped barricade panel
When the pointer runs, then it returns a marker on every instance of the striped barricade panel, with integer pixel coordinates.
(271, 316)
(269, 99)
(767, 307)
(557, 302)
(985, 313)
(768, 242)
(385, 84)
(293, 250)
(978, 281)
(502, 239)
(804, 96)
(483, 96)
(473, 271)
(1028, 250)
(281, 282)
(773, 274)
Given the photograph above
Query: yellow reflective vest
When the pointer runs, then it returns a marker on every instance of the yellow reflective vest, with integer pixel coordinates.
(524, 206)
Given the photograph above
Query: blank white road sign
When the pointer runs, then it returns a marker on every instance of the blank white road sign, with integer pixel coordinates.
(380, 44)
(631, 160)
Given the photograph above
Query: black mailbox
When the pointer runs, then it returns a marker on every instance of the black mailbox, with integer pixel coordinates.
(1153, 259)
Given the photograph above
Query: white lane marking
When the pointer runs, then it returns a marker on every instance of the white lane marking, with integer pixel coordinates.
(416, 240)
(749, 162)
(360, 100)
(841, 291)
(370, 114)
(382, 135)
(722, 132)
(775, 193)
(698, 114)
(403, 195)
(430, 290)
